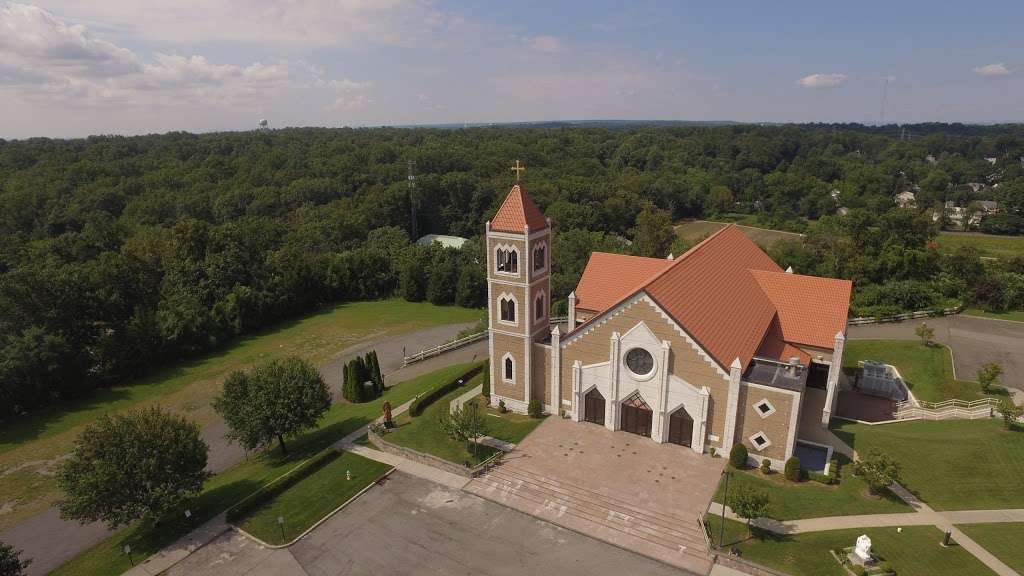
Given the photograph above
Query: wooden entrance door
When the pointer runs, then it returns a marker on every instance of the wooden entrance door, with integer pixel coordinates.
(636, 416)
(680, 428)
(593, 407)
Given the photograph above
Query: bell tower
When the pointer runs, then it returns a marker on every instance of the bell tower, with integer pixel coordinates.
(518, 296)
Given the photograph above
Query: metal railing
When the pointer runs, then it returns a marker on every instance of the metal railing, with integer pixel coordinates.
(906, 316)
(437, 350)
(953, 409)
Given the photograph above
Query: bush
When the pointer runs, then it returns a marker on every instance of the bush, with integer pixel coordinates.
(766, 466)
(819, 477)
(792, 471)
(430, 396)
(269, 492)
(738, 456)
(501, 406)
(534, 409)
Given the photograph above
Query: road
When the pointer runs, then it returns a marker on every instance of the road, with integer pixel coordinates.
(50, 541)
(413, 526)
(974, 341)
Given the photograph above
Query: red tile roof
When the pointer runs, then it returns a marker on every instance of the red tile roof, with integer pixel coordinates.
(731, 298)
(602, 286)
(518, 210)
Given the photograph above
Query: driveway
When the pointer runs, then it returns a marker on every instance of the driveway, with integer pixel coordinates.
(974, 341)
(412, 526)
(51, 541)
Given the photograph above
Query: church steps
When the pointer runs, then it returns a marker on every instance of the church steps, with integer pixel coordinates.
(638, 525)
(625, 515)
(667, 518)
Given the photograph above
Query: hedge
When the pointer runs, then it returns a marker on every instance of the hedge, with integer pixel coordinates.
(270, 491)
(430, 396)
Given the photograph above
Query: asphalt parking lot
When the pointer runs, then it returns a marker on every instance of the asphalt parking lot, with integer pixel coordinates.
(413, 526)
(974, 341)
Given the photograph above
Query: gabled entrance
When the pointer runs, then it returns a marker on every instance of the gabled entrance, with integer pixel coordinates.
(593, 407)
(636, 415)
(680, 428)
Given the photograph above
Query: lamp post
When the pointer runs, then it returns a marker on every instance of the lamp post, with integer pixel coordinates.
(280, 523)
(128, 551)
(725, 501)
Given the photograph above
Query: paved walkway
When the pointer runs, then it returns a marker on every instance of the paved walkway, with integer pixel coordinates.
(924, 515)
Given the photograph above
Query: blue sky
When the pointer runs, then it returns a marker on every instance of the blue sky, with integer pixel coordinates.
(77, 67)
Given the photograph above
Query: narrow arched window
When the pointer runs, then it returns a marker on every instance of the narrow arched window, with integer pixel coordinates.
(506, 260)
(513, 261)
(508, 309)
(539, 257)
(538, 305)
(510, 369)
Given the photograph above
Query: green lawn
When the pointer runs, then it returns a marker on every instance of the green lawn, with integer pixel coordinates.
(991, 246)
(32, 445)
(1002, 539)
(953, 464)
(808, 499)
(698, 229)
(423, 433)
(1015, 315)
(510, 427)
(927, 370)
(312, 498)
(914, 552)
(229, 487)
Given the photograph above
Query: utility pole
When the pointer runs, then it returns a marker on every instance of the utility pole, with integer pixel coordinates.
(411, 177)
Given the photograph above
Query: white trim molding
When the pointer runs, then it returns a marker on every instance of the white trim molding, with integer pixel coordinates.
(510, 248)
(768, 410)
(516, 314)
(759, 446)
(505, 358)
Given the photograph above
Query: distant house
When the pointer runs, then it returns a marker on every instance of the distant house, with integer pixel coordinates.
(835, 195)
(906, 199)
(443, 240)
(990, 160)
(955, 214)
(930, 159)
(976, 186)
(842, 211)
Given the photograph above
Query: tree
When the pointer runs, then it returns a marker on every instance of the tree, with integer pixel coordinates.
(652, 233)
(720, 200)
(926, 333)
(738, 456)
(792, 470)
(989, 375)
(878, 470)
(142, 464)
(373, 365)
(275, 400)
(11, 563)
(1011, 413)
(749, 504)
(466, 423)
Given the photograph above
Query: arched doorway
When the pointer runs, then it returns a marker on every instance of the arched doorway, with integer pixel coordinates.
(636, 415)
(593, 407)
(680, 428)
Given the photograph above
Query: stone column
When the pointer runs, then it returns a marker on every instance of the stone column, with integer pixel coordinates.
(700, 431)
(556, 371)
(833, 380)
(611, 420)
(572, 312)
(732, 407)
(658, 426)
(577, 393)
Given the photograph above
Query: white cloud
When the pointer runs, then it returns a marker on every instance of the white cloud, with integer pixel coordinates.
(547, 44)
(43, 57)
(998, 69)
(822, 80)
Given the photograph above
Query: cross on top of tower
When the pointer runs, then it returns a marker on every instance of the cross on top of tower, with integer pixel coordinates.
(518, 168)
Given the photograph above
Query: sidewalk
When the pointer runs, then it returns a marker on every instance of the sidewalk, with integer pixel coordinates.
(924, 516)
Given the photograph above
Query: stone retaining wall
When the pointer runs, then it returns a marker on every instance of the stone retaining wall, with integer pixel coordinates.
(417, 456)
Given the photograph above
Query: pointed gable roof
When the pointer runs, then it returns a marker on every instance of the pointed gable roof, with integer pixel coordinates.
(516, 211)
(730, 296)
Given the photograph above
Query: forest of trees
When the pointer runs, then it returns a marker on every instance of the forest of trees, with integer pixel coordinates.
(121, 253)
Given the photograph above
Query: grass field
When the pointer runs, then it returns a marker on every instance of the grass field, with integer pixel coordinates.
(229, 487)
(1002, 539)
(423, 433)
(991, 246)
(914, 552)
(927, 370)
(31, 446)
(698, 229)
(312, 498)
(952, 464)
(790, 501)
(1015, 315)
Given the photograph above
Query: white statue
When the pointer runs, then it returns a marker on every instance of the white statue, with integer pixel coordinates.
(863, 549)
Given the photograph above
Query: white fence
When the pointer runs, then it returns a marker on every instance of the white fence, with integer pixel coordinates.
(901, 317)
(947, 410)
(437, 350)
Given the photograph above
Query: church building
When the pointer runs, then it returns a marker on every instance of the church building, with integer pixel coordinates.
(712, 347)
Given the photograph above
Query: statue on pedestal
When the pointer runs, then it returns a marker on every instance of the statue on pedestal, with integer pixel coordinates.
(388, 422)
(862, 551)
